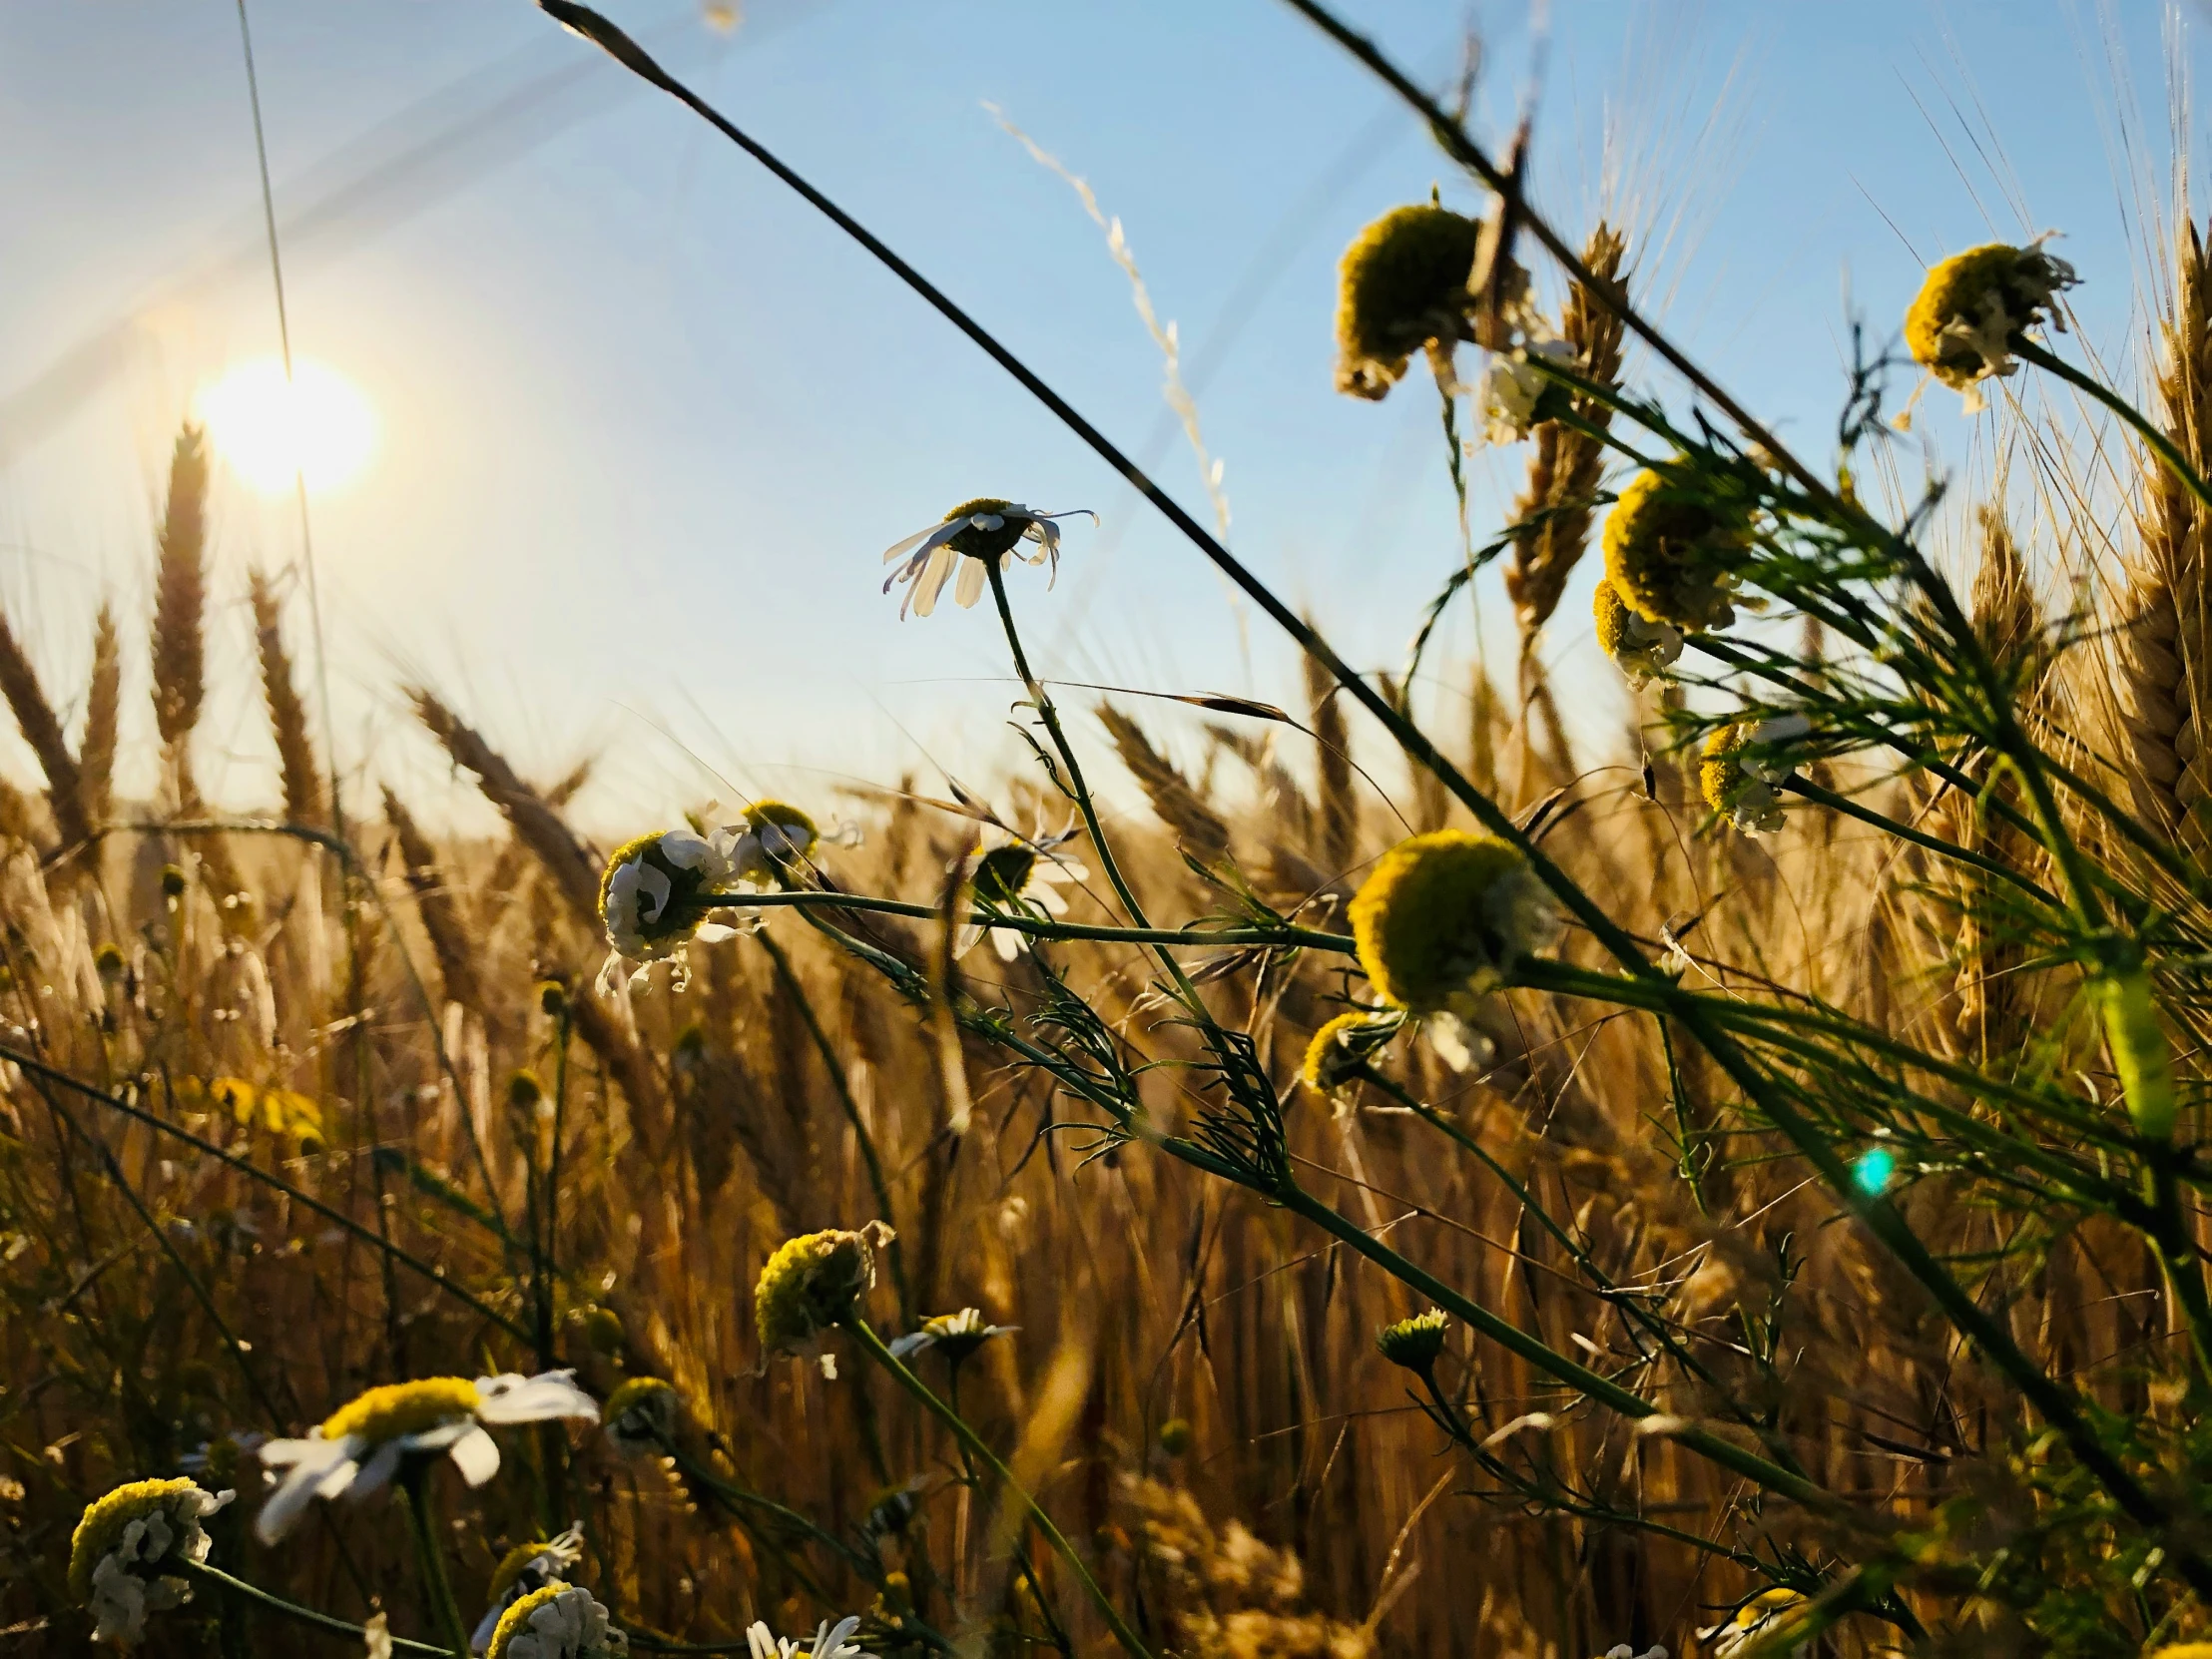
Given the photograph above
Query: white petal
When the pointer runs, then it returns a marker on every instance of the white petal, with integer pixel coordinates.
(551, 1393)
(987, 521)
(651, 886)
(923, 541)
(713, 932)
(376, 1475)
(1007, 943)
(970, 589)
(926, 585)
(293, 1496)
(684, 850)
(476, 1455)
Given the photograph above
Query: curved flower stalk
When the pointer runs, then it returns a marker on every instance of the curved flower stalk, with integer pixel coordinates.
(981, 532)
(359, 1449)
(127, 1547)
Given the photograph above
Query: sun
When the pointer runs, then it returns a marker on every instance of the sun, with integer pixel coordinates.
(317, 427)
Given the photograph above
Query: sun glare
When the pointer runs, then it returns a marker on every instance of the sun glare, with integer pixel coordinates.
(318, 428)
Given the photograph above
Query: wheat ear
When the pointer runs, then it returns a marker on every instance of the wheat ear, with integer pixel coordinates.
(180, 598)
(287, 714)
(436, 905)
(103, 720)
(1199, 830)
(42, 730)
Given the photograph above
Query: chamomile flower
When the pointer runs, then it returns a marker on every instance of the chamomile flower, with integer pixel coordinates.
(357, 1450)
(1017, 876)
(773, 848)
(1512, 385)
(1961, 325)
(811, 1283)
(654, 896)
(982, 531)
(1672, 549)
(1644, 650)
(641, 1415)
(1401, 285)
(1337, 1056)
(1741, 767)
(1414, 1343)
(955, 1336)
(1753, 1619)
(1445, 918)
(557, 1621)
(125, 1542)
(830, 1642)
(523, 1571)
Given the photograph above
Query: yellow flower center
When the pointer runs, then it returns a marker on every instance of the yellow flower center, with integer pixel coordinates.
(400, 1408)
(1444, 916)
(809, 1285)
(1403, 283)
(516, 1619)
(1671, 546)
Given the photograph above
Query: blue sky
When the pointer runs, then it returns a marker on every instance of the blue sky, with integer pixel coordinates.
(647, 422)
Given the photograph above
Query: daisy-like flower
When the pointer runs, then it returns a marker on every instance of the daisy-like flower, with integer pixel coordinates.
(1445, 918)
(654, 896)
(641, 1415)
(523, 1571)
(1512, 385)
(1402, 285)
(809, 1285)
(771, 851)
(124, 1543)
(1672, 549)
(1017, 876)
(1753, 1619)
(1741, 767)
(982, 531)
(357, 1450)
(955, 1336)
(1413, 1342)
(1338, 1054)
(830, 1642)
(1643, 649)
(557, 1621)
(1961, 325)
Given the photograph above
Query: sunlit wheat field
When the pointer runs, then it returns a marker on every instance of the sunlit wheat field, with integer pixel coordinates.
(1658, 1114)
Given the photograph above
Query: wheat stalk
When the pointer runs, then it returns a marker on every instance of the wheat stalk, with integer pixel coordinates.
(436, 903)
(1199, 830)
(180, 601)
(42, 730)
(103, 719)
(536, 825)
(1339, 816)
(287, 714)
(2165, 649)
(1555, 507)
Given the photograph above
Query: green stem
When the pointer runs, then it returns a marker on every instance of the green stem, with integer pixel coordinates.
(244, 1591)
(2178, 1258)
(1282, 938)
(843, 1089)
(1799, 785)
(2168, 453)
(873, 1346)
(437, 1587)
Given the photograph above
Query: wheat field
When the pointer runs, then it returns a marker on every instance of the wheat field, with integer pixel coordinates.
(1748, 1201)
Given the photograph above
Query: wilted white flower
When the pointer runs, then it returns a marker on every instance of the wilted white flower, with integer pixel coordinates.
(124, 1543)
(830, 1642)
(524, 1570)
(1017, 876)
(557, 1621)
(1511, 386)
(360, 1446)
(983, 531)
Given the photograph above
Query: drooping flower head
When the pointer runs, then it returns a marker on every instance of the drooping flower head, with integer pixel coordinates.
(641, 1415)
(1673, 546)
(955, 1336)
(558, 1621)
(1445, 918)
(123, 1546)
(830, 1642)
(771, 851)
(1960, 327)
(653, 896)
(1017, 876)
(982, 531)
(1742, 763)
(1403, 284)
(360, 1446)
(523, 1571)
(1643, 649)
(1338, 1054)
(1413, 1342)
(811, 1283)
